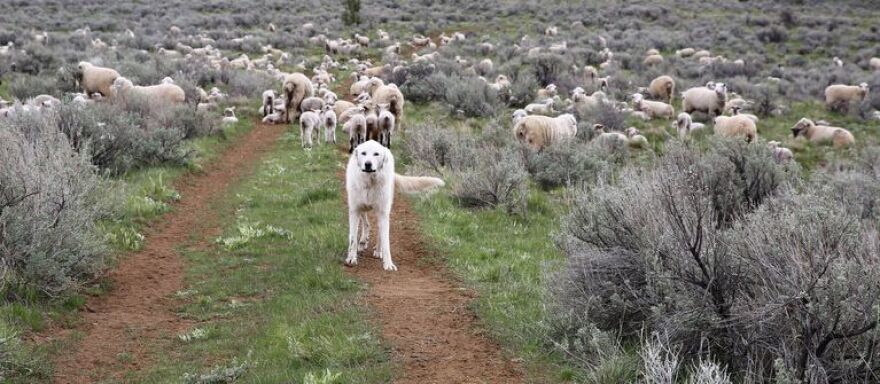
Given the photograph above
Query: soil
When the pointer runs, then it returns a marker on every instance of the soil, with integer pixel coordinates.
(119, 328)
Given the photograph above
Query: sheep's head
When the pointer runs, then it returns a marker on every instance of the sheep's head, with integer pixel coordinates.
(773, 144)
(229, 112)
(599, 128)
(632, 131)
(121, 84)
(801, 127)
(863, 90)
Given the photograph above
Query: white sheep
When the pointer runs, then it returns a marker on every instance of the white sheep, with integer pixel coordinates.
(386, 122)
(736, 126)
(167, 80)
(874, 63)
(685, 125)
(635, 138)
(94, 79)
(518, 115)
(328, 117)
(685, 52)
(167, 93)
(549, 91)
(391, 95)
(701, 54)
(705, 99)
(356, 127)
(309, 123)
(609, 139)
(654, 109)
(500, 83)
(551, 30)
(276, 117)
(781, 155)
(540, 131)
(544, 108)
(229, 116)
(312, 104)
(837, 62)
(838, 137)
(269, 98)
(661, 88)
(485, 67)
(840, 95)
(296, 88)
(652, 60)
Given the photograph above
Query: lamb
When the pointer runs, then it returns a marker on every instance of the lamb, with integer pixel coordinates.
(342, 106)
(168, 93)
(838, 96)
(330, 97)
(701, 54)
(328, 117)
(685, 125)
(652, 60)
(609, 139)
(736, 126)
(276, 117)
(311, 104)
(583, 102)
(485, 67)
(94, 79)
(309, 122)
(356, 127)
(373, 132)
(874, 63)
(540, 131)
(705, 99)
(544, 108)
(500, 83)
(44, 101)
(362, 40)
(654, 109)
(296, 88)
(635, 138)
(781, 155)
(661, 88)
(386, 125)
(391, 95)
(551, 30)
(268, 102)
(838, 137)
(229, 116)
(548, 91)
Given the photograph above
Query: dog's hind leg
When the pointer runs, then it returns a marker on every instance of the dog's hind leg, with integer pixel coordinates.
(384, 243)
(353, 219)
(365, 228)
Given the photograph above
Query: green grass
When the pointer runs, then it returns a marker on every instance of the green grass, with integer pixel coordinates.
(269, 295)
(504, 258)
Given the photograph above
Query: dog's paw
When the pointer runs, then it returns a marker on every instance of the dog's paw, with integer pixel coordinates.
(377, 254)
(389, 266)
(351, 261)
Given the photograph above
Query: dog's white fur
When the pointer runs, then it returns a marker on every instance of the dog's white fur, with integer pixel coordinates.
(370, 181)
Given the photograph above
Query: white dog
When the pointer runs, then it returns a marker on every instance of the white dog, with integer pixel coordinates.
(370, 182)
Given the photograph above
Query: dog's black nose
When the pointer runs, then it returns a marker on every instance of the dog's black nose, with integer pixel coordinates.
(368, 166)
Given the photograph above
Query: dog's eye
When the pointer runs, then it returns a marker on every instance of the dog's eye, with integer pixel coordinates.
(363, 153)
(376, 154)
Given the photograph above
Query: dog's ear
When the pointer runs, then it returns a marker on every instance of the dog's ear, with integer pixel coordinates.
(385, 154)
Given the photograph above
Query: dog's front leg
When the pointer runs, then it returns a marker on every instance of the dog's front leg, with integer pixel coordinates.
(384, 242)
(353, 219)
(365, 228)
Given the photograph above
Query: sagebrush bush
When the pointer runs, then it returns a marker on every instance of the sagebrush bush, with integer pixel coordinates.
(498, 180)
(26, 86)
(471, 97)
(439, 149)
(50, 199)
(567, 164)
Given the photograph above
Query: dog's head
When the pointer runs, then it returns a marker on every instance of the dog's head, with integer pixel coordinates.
(371, 156)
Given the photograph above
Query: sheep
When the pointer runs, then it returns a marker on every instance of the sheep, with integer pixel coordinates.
(296, 88)
(735, 112)
(838, 96)
(485, 67)
(309, 122)
(229, 116)
(609, 139)
(383, 36)
(701, 54)
(419, 41)
(362, 40)
(386, 124)
(206, 107)
(661, 88)
(168, 93)
(544, 108)
(311, 104)
(837, 62)
(548, 91)
(356, 127)
(500, 83)
(518, 115)
(590, 74)
(838, 137)
(736, 126)
(685, 52)
(215, 95)
(268, 102)
(582, 102)
(654, 109)
(94, 79)
(705, 99)
(340, 107)
(781, 155)
(328, 117)
(276, 117)
(652, 51)
(540, 131)
(167, 80)
(559, 48)
(652, 60)
(44, 101)
(391, 95)
(735, 102)
(685, 125)
(874, 63)
(635, 138)
(551, 31)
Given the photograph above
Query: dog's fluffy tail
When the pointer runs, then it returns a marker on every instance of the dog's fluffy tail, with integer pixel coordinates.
(411, 184)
